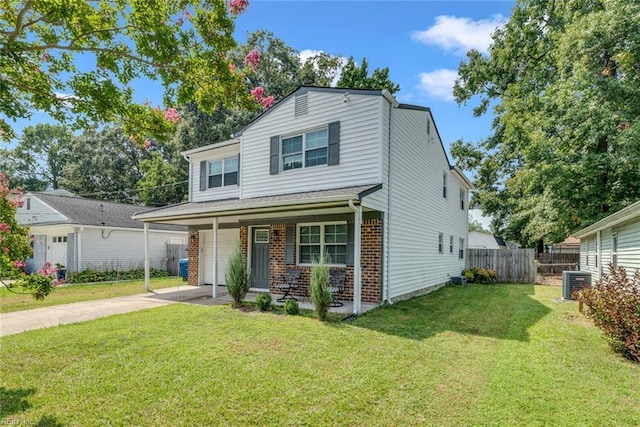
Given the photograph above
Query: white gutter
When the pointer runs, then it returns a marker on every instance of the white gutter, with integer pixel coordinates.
(357, 273)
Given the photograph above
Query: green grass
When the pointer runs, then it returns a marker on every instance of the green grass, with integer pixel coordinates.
(498, 355)
(11, 301)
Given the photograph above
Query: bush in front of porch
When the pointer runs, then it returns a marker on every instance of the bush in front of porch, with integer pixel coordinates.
(238, 278)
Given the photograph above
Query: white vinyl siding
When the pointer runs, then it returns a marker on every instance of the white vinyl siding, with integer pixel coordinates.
(360, 146)
(418, 212)
(39, 212)
(211, 156)
(122, 249)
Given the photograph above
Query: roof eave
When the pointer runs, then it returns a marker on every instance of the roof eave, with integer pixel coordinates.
(612, 220)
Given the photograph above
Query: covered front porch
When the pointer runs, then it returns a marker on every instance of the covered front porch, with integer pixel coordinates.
(282, 232)
(202, 295)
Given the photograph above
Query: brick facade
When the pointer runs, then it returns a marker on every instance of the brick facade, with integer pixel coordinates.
(193, 252)
(371, 261)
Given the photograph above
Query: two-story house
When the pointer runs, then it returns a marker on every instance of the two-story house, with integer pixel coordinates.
(350, 173)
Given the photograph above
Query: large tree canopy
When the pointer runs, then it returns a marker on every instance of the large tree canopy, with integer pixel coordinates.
(77, 60)
(358, 77)
(563, 79)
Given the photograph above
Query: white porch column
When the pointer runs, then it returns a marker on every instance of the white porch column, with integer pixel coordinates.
(357, 273)
(146, 256)
(214, 242)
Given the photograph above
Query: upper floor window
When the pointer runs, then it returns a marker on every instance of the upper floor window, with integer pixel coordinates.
(223, 172)
(440, 242)
(461, 250)
(306, 150)
(463, 197)
(316, 239)
(444, 185)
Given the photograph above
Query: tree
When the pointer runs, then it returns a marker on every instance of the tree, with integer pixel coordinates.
(104, 164)
(563, 80)
(474, 225)
(40, 156)
(358, 77)
(183, 44)
(15, 248)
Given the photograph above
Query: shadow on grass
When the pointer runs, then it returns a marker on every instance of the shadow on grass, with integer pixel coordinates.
(13, 401)
(503, 311)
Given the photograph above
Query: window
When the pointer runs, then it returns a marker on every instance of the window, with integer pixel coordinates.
(28, 203)
(440, 242)
(261, 236)
(306, 150)
(316, 239)
(450, 244)
(444, 185)
(59, 239)
(463, 197)
(223, 172)
(461, 250)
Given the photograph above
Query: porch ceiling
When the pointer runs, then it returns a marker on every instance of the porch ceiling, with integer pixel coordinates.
(232, 211)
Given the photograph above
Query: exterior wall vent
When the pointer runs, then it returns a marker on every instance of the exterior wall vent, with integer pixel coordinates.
(573, 281)
(301, 105)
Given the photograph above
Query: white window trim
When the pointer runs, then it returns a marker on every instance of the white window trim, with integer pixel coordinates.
(223, 172)
(451, 244)
(304, 148)
(440, 243)
(322, 244)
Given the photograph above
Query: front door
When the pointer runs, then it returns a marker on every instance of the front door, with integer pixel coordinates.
(260, 258)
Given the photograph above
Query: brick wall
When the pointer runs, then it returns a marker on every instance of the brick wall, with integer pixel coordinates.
(193, 252)
(371, 261)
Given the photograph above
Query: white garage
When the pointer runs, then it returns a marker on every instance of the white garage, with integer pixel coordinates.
(227, 241)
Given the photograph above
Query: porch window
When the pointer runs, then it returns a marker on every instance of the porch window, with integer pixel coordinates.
(306, 150)
(316, 239)
(223, 172)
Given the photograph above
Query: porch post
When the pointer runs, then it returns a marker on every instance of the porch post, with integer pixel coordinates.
(215, 258)
(357, 273)
(146, 256)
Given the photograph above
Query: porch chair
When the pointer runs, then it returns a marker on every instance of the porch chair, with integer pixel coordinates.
(337, 279)
(290, 281)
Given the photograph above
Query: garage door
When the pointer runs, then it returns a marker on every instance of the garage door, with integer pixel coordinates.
(227, 241)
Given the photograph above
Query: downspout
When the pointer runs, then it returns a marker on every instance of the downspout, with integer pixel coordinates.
(79, 250)
(146, 257)
(387, 224)
(188, 159)
(357, 274)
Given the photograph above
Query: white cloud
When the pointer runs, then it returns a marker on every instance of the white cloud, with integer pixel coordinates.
(438, 83)
(458, 35)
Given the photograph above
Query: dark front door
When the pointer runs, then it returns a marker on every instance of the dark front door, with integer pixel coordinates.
(260, 258)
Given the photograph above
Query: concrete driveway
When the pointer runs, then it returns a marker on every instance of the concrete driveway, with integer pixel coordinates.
(37, 318)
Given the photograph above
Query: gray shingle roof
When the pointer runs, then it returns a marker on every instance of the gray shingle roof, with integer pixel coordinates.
(217, 206)
(83, 211)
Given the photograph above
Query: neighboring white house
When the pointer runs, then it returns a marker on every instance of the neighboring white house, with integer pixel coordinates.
(86, 234)
(480, 240)
(614, 239)
(352, 173)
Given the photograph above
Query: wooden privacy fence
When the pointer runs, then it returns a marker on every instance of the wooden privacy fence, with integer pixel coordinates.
(511, 265)
(175, 251)
(556, 263)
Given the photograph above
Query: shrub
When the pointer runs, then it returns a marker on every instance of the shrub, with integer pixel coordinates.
(614, 305)
(238, 279)
(91, 276)
(320, 294)
(291, 307)
(263, 301)
(480, 275)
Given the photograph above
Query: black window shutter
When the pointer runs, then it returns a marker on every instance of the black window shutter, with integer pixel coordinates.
(334, 143)
(274, 166)
(350, 244)
(203, 175)
(238, 180)
(290, 245)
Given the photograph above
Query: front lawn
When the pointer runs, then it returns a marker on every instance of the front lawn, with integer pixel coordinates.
(12, 301)
(465, 355)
